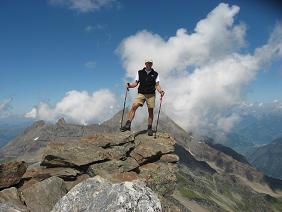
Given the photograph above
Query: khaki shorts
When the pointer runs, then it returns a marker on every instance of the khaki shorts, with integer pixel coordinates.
(149, 98)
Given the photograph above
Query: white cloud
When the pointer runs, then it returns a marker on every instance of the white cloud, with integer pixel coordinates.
(83, 6)
(202, 72)
(260, 104)
(78, 107)
(96, 27)
(90, 64)
(88, 28)
(5, 105)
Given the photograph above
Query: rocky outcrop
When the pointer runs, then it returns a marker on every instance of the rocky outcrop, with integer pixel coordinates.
(117, 157)
(11, 173)
(98, 194)
(128, 166)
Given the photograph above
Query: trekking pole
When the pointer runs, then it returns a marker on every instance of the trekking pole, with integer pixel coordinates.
(158, 117)
(124, 106)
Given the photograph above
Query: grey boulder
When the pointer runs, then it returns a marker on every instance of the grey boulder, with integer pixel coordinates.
(98, 194)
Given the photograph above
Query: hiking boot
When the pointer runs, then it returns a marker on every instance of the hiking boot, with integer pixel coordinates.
(150, 132)
(125, 127)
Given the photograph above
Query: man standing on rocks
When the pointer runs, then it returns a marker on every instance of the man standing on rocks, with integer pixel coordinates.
(148, 80)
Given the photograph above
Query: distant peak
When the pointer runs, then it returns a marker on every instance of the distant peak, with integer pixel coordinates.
(61, 121)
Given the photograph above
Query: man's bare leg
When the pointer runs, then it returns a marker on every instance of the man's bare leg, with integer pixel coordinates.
(151, 116)
(132, 111)
(150, 121)
(130, 117)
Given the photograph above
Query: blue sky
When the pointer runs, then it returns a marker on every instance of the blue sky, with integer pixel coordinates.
(47, 50)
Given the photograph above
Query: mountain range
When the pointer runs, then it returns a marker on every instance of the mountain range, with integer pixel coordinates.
(260, 123)
(268, 158)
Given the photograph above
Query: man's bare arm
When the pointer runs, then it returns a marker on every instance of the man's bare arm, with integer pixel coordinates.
(159, 89)
(132, 84)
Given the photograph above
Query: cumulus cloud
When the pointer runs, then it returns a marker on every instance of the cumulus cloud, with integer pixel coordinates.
(78, 107)
(83, 6)
(203, 72)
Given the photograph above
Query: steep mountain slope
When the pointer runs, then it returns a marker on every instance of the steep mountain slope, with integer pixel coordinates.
(209, 180)
(268, 158)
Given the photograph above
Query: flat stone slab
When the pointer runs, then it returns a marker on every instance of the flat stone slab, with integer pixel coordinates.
(43, 173)
(112, 166)
(73, 154)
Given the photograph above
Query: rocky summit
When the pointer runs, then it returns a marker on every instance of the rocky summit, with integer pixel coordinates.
(102, 172)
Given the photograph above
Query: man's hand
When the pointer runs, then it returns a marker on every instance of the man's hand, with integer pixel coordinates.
(131, 84)
(162, 93)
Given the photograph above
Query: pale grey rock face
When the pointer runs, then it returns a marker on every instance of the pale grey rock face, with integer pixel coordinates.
(98, 194)
(8, 208)
(11, 197)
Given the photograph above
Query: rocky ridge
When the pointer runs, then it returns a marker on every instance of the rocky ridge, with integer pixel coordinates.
(115, 158)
